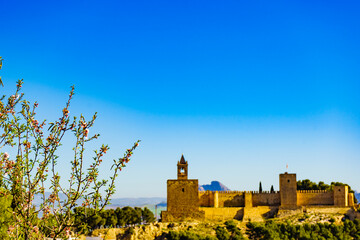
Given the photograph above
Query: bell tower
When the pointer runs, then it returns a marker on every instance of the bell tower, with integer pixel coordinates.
(182, 167)
(182, 196)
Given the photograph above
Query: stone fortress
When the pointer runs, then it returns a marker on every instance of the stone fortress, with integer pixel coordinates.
(185, 201)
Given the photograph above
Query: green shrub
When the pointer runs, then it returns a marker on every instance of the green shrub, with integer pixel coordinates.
(185, 235)
(171, 225)
(221, 233)
(270, 230)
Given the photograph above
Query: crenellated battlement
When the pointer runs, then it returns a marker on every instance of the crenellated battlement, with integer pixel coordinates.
(238, 192)
(314, 191)
(203, 192)
(264, 192)
(230, 192)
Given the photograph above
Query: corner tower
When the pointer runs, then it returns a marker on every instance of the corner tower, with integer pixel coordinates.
(341, 196)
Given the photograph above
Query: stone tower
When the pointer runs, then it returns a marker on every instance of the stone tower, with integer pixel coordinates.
(341, 196)
(182, 166)
(288, 190)
(182, 196)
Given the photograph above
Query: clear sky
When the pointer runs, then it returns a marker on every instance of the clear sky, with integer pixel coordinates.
(241, 88)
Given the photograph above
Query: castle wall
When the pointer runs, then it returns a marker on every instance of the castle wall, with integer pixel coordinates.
(216, 199)
(302, 197)
(328, 210)
(206, 199)
(248, 200)
(314, 197)
(223, 213)
(237, 199)
(266, 199)
(257, 214)
(239, 213)
(231, 199)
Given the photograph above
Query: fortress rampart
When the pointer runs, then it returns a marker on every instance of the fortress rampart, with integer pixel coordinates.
(237, 198)
(185, 201)
(230, 199)
(266, 199)
(315, 197)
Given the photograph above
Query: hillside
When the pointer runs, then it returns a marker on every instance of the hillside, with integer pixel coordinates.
(298, 226)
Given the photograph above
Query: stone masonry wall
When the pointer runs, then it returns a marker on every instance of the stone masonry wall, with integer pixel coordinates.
(231, 199)
(288, 196)
(351, 200)
(182, 200)
(237, 199)
(239, 213)
(266, 199)
(341, 196)
(182, 195)
(206, 199)
(223, 213)
(314, 197)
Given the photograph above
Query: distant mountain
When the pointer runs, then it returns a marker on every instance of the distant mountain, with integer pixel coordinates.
(357, 195)
(214, 186)
(135, 202)
(162, 204)
(38, 198)
(114, 203)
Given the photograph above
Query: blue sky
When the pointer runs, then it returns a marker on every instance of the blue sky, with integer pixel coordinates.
(241, 88)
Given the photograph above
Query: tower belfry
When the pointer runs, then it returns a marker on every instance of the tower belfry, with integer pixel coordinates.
(182, 169)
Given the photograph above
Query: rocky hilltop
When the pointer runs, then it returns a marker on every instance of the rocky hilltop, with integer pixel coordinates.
(213, 186)
(357, 195)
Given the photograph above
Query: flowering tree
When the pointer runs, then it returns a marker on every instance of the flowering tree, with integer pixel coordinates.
(29, 161)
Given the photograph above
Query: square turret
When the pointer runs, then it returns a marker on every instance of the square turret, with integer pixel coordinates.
(288, 190)
(341, 196)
